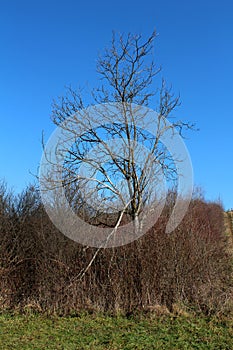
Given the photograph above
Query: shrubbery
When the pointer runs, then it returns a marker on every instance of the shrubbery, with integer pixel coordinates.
(40, 268)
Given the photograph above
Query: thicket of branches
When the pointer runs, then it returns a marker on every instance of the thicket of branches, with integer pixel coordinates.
(42, 269)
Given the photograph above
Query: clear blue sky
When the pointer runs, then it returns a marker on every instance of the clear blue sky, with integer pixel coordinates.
(46, 45)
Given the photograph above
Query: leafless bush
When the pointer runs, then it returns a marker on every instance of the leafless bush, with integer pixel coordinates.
(42, 269)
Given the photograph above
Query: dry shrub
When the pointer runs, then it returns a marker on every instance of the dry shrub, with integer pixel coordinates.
(40, 268)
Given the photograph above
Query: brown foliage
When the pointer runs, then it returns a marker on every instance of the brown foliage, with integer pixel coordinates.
(41, 268)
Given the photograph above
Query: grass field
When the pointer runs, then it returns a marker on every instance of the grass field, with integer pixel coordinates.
(105, 332)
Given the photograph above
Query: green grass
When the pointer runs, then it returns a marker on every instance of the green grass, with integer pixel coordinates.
(105, 332)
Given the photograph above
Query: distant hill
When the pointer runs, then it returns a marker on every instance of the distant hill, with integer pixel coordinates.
(229, 215)
(229, 225)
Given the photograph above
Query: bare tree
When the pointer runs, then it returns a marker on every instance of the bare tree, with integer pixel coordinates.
(115, 164)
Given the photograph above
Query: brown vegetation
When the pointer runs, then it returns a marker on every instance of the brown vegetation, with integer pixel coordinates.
(42, 269)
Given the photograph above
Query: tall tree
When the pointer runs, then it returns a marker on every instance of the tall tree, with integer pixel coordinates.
(117, 158)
